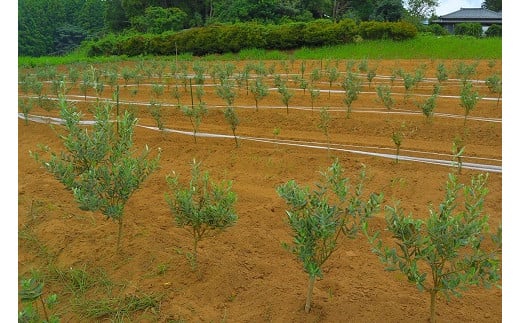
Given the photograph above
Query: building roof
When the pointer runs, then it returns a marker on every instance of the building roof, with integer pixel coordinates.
(472, 13)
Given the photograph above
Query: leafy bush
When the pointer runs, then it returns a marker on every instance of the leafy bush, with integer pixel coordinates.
(319, 32)
(347, 30)
(402, 30)
(437, 30)
(243, 36)
(387, 30)
(494, 31)
(469, 29)
(286, 36)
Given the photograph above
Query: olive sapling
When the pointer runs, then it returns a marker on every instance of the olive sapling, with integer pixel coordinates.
(318, 217)
(202, 206)
(446, 251)
(99, 166)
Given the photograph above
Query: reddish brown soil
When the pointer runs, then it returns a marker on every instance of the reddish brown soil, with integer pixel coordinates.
(245, 274)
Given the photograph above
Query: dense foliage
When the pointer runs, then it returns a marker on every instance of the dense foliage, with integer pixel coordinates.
(52, 27)
(469, 29)
(222, 38)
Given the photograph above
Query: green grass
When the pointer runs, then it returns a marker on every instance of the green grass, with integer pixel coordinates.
(117, 308)
(424, 46)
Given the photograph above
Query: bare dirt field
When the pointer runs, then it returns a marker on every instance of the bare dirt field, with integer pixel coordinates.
(245, 273)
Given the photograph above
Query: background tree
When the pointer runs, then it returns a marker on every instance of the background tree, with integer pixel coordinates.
(388, 10)
(495, 5)
(420, 10)
(50, 27)
(157, 20)
(115, 16)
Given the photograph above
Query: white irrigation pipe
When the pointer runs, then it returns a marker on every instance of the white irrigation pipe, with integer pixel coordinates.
(305, 144)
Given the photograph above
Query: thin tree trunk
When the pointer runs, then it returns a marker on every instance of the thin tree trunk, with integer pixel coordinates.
(433, 293)
(119, 233)
(195, 261)
(312, 279)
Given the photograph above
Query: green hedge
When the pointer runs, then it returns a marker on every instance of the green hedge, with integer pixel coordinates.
(224, 38)
(387, 30)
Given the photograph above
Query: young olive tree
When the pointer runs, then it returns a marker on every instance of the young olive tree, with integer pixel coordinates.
(332, 76)
(200, 69)
(26, 105)
(324, 123)
(441, 73)
(465, 71)
(259, 90)
(397, 138)
(457, 148)
(226, 91)
(86, 83)
(286, 95)
(371, 74)
(156, 112)
(468, 99)
(318, 217)
(315, 76)
(494, 84)
(428, 106)
(157, 89)
(202, 206)
(315, 93)
(444, 252)
(232, 119)
(175, 93)
(352, 87)
(195, 113)
(384, 94)
(99, 166)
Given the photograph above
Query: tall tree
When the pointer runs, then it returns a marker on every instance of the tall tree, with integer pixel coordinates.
(421, 9)
(115, 16)
(91, 16)
(34, 35)
(157, 20)
(361, 9)
(47, 27)
(495, 5)
(389, 10)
